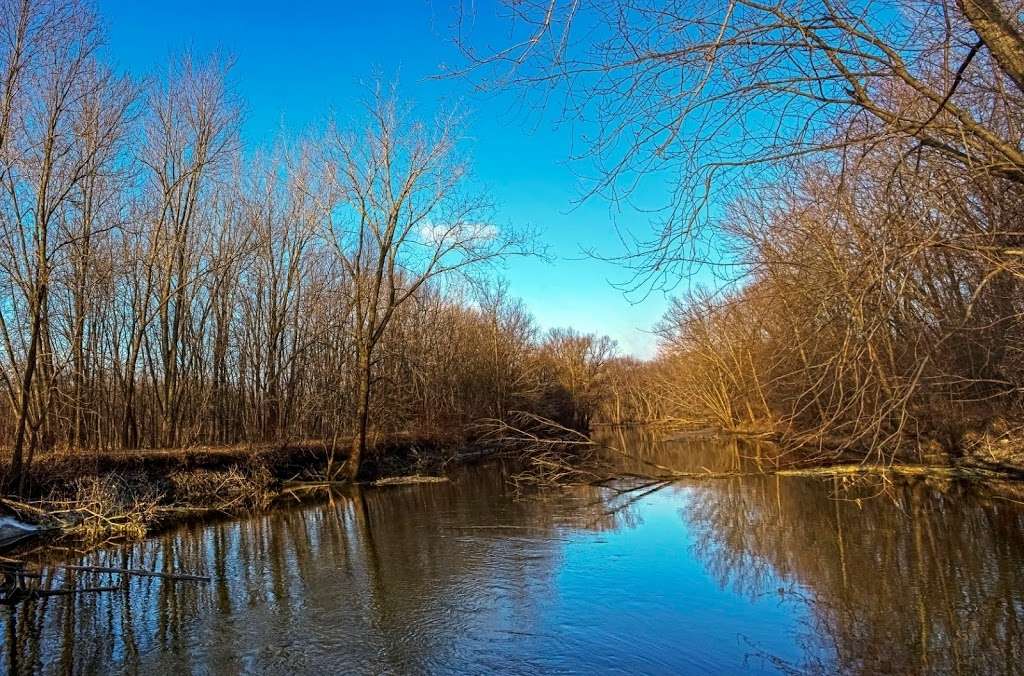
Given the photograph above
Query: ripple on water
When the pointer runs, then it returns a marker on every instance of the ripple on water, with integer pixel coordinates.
(754, 575)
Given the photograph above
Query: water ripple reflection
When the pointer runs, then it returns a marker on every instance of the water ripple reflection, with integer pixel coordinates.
(753, 575)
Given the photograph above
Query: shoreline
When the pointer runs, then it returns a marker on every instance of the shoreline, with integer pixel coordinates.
(95, 498)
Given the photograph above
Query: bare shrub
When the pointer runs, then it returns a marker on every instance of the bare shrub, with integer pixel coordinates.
(97, 508)
(236, 487)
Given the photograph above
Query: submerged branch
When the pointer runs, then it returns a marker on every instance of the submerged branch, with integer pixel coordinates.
(136, 572)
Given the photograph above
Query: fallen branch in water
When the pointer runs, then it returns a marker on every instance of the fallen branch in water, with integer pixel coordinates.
(552, 454)
(17, 595)
(938, 471)
(135, 572)
(15, 587)
(307, 485)
(411, 479)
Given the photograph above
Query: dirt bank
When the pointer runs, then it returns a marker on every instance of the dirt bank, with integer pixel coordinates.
(94, 497)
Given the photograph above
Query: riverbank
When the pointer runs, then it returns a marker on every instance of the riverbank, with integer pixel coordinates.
(92, 497)
(996, 455)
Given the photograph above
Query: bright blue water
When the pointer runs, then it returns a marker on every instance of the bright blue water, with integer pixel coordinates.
(751, 575)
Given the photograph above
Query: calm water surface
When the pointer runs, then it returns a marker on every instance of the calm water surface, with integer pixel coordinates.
(748, 575)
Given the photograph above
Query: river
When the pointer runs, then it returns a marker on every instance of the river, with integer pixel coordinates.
(741, 575)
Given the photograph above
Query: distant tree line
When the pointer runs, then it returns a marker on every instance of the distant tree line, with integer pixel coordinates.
(845, 235)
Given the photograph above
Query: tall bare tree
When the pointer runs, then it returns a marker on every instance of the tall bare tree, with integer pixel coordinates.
(63, 115)
(403, 212)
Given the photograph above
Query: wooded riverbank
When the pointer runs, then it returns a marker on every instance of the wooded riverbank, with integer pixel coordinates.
(98, 496)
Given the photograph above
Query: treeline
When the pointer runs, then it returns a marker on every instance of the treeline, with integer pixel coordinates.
(881, 305)
(161, 288)
(883, 309)
(847, 225)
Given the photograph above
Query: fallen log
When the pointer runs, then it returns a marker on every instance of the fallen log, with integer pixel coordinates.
(306, 485)
(14, 531)
(411, 479)
(16, 596)
(938, 471)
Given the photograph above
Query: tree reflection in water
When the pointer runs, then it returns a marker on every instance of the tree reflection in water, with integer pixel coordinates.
(465, 577)
(386, 578)
(926, 579)
(922, 578)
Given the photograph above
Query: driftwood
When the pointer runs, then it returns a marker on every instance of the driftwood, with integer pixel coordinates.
(313, 485)
(938, 471)
(17, 595)
(411, 479)
(388, 481)
(173, 512)
(14, 576)
(23, 507)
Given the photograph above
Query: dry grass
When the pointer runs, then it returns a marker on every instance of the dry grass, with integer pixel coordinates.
(94, 497)
(99, 508)
(233, 488)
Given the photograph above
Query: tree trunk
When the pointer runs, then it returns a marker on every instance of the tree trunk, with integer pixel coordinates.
(15, 479)
(362, 422)
(999, 34)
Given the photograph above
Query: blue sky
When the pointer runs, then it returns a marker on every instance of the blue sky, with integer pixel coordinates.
(298, 63)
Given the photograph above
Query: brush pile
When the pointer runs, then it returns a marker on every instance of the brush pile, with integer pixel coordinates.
(550, 454)
(232, 488)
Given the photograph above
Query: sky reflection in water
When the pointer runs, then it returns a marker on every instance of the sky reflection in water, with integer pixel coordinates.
(746, 575)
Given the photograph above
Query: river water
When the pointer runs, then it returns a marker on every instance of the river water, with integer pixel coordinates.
(742, 575)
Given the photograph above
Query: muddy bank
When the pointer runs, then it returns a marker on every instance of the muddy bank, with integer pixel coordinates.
(94, 497)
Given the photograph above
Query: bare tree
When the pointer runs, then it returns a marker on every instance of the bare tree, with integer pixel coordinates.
(707, 94)
(402, 212)
(190, 133)
(63, 116)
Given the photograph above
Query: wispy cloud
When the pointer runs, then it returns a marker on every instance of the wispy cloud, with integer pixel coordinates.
(468, 233)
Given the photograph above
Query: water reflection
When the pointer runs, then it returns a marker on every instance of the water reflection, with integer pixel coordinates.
(927, 580)
(384, 580)
(924, 577)
(752, 574)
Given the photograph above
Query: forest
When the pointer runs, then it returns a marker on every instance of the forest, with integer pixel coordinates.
(843, 235)
(163, 289)
(842, 241)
